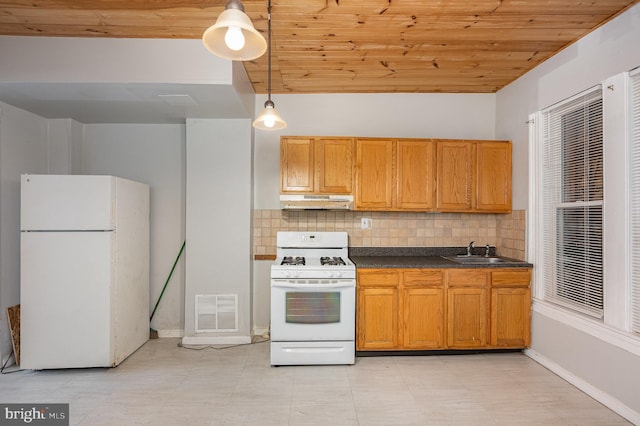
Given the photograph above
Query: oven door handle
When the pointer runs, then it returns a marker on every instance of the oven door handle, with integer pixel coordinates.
(280, 284)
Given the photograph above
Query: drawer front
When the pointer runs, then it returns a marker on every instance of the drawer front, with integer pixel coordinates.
(378, 278)
(511, 278)
(467, 277)
(422, 278)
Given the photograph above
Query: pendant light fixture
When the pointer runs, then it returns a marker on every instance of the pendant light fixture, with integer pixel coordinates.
(233, 36)
(269, 119)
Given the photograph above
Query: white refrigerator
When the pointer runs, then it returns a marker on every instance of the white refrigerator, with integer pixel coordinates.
(84, 270)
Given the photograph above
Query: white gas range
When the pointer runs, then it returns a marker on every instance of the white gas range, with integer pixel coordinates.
(313, 288)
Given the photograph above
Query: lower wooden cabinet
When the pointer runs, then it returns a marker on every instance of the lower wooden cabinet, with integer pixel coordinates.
(378, 318)
(467, 317)
(511, 309)
(377, 309)
(422, 309)
(422, 318)
(467, 308)
(431, 309)
(400, 309)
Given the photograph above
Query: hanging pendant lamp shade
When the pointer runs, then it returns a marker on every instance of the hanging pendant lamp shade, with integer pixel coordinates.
(269, 119)
(233, 36)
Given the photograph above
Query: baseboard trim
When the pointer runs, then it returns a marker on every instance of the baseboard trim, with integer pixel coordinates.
(597, 394)
(170, 333)
(261, 331)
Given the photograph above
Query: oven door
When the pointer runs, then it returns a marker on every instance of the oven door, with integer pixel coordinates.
(313, 309)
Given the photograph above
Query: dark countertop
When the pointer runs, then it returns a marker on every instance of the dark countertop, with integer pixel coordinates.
(422, 257)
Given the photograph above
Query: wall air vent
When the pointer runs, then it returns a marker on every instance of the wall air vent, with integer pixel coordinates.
(216, 312)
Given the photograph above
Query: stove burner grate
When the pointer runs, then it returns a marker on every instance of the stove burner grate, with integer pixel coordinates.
(332, 261)
(291, 260)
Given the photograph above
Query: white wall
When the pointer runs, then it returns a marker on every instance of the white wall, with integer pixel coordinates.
(153, 154)
(601, 368)
(23, 149)
(218, 217)
(110, 60)
(150, 153)
(605, 52)
(606, 372)
(65, 146)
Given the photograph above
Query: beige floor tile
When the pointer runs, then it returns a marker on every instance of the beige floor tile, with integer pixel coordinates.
(323, 413)
(165, 384)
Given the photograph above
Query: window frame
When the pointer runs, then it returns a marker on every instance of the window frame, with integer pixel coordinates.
(614, 328)
(634, 204)
(570, 267)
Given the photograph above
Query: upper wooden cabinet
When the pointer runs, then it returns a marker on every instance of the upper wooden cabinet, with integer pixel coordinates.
(316, 165)
(473, 176)
(373, 171)
(415, 174)
(493, 176)
(401, 174)
(395, 174)
(455, 160)
(296, 165)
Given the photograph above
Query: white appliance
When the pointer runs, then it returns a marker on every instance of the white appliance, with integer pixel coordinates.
(84, 270)
(313, 292)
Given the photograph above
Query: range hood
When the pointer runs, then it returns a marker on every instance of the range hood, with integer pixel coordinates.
(316, 202)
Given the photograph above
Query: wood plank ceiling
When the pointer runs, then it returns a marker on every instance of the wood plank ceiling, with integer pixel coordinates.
(349, 46)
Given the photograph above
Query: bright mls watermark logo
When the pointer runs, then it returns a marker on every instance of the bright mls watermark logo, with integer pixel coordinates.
(34, 414)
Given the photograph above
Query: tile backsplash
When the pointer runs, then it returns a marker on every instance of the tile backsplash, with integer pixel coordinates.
(389, 229)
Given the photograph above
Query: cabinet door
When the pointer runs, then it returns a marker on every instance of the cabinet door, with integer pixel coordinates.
(377, 318)
(334, 161)
(466, 317)
(296, 165)
(377, 309)
(415, 174)
(493, 176)
(455, 171)
(510, 317)
(511, 308)
(374, 165)
(423, 318)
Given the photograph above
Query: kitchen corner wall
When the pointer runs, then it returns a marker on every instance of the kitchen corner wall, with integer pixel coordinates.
(507, 232)
(218, 229)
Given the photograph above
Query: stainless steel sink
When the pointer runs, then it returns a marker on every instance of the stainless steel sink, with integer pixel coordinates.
(475, 259)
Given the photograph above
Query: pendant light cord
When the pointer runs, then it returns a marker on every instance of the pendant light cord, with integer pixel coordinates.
(269, 50)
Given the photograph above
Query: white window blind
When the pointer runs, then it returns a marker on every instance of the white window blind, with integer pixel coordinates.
(572, 203)
(634, 198)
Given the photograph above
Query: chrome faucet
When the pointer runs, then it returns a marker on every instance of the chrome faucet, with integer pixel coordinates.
(469, 248)
(486, 250)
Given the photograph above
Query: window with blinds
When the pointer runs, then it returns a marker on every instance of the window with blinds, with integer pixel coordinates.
(572, 203)
(634, 198)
